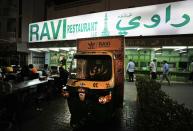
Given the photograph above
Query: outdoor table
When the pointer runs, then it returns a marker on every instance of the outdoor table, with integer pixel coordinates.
(28, 83)
(16, 95)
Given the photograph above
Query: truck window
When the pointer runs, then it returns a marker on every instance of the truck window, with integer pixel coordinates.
(91, 67)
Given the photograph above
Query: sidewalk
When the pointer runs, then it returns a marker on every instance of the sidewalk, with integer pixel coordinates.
(129, 107)
(180, 92)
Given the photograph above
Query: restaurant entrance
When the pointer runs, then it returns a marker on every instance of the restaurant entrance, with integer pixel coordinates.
(176, 50)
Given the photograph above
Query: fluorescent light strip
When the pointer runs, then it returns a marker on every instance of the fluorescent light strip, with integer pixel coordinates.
(34, 49)
(44, 49)
(173, 47)
(156, 49)
(67, 48)
(182, 51)
(54, 49)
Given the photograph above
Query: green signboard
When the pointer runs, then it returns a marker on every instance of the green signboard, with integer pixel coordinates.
(163, 19)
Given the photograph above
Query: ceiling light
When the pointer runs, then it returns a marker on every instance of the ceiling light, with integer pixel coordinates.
(182, 51)
(155, 49)
(54, 49)
(180, 48)
(44, 49)
(138, 49)
(158, 53)
(34, 49)
(173, 47)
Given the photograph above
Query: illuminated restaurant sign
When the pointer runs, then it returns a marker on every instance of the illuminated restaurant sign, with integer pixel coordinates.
(163, 19)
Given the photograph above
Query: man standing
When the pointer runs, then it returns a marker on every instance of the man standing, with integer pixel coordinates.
(165, 72)
(63, 61)
(153, 67)
(130, 70)
(191, 71)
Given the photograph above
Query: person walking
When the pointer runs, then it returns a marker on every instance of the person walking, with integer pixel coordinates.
(153, 68)
(130, 70)
(63, 78)
(165, 72)
(191, 71)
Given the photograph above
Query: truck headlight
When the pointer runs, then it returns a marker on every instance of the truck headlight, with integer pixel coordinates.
(105, 99)
(65, 92)
(81, 94)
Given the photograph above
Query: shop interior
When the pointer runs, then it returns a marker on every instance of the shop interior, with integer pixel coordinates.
(54, 57)
(178, 58)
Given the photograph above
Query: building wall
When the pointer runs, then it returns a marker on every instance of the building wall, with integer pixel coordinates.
(15, 16)
(32, 11)
(120, 4)
(8, 20)
(67, 10)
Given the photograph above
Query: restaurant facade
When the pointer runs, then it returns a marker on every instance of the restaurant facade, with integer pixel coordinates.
(161, 31)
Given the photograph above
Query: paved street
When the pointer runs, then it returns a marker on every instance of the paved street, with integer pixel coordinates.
(55, 115)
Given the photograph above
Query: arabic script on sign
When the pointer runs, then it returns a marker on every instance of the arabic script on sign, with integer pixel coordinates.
(155, 21)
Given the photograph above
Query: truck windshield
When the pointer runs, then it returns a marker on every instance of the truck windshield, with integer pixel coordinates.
(91, 67)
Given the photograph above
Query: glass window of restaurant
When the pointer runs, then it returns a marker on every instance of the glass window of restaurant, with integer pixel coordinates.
(53, 56)
(178, 57)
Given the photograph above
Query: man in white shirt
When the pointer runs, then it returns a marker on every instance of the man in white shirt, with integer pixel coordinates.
(153, 67)
(130, 70)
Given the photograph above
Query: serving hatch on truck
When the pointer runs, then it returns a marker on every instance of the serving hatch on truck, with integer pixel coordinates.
(96, 83)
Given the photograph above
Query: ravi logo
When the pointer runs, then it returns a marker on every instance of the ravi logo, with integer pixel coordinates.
(48, 30)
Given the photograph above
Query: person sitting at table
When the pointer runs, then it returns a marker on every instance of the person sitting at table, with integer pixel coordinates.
(33, 74)
(9, 69)
(25, 72)
(9, 73)
(32, 68)
(45, 71)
